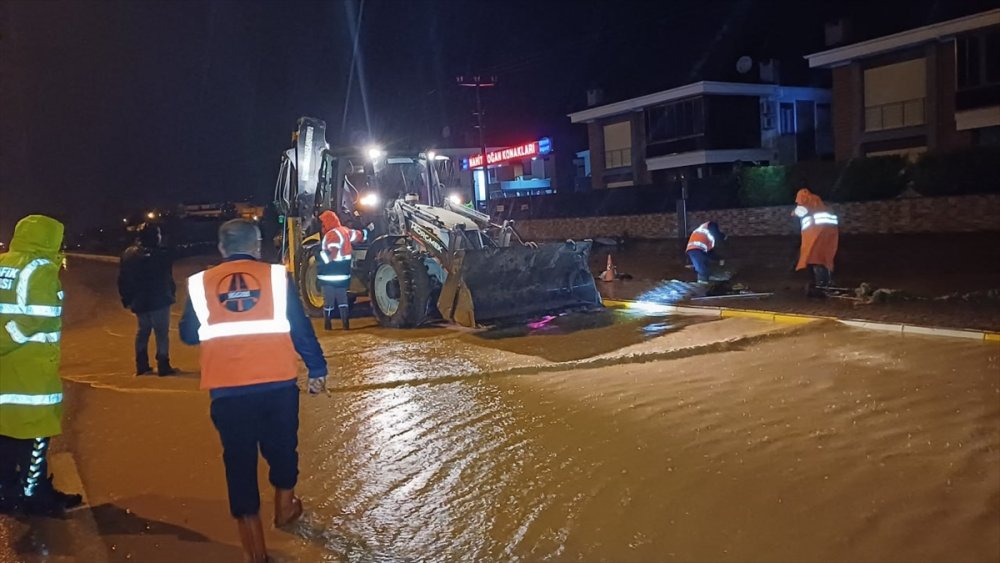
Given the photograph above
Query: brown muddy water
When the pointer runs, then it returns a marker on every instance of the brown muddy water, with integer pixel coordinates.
(608, 437)
(820, 445)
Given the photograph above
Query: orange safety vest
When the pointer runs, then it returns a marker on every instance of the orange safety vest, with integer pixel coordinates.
(245, 334)
(701, 239)
(820, 231)
(338, 241)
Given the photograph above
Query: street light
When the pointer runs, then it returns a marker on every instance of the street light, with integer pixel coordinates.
(151, 215)
(375, 152)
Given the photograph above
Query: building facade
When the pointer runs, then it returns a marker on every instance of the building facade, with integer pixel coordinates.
(702, 129)
(934, 88)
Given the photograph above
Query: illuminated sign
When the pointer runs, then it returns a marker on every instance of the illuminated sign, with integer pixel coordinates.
(527, 150)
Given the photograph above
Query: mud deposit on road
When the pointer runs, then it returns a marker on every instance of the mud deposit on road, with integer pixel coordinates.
(614, 439)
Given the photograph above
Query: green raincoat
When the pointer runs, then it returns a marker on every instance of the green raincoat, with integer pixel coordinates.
(30, 330)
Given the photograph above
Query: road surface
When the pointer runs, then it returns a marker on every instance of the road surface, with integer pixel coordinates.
(605, 437)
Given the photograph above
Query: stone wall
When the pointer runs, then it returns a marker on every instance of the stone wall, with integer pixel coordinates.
(915, 215)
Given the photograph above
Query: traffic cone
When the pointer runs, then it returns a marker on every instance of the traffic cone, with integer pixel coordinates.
(610, 273)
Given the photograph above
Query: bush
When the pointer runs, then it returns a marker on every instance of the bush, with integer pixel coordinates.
(820, 176)
(865, 179)
(968, 171)
(761, 186)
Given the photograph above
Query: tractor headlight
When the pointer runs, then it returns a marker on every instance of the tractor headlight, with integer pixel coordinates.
(370, 199)
(455, 198)
(375, 152)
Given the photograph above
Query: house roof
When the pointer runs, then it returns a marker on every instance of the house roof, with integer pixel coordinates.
(909, 38)
(694, 89)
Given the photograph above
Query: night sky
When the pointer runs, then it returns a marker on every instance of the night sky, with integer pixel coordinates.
(110, 107)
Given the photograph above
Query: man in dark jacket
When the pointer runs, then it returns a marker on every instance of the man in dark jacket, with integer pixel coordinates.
(146, 285)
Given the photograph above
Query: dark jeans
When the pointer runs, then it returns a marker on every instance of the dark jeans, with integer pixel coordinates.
(334, 297)
(699, 259)
(23, 464)
(821, 275)
(157, 321)
(265, 419)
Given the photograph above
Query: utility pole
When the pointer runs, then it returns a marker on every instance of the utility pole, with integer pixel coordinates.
(479, 82)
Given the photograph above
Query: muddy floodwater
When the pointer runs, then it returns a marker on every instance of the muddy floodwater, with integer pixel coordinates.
(607, 437)
(824, 444)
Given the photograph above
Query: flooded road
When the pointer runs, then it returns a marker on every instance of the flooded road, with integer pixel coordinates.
(607, 437)
(824, 444)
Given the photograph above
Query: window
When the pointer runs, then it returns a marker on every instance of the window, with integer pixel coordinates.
(977, 60)
(618, 145)
(787, 118)
(894, 95)
(676, 120)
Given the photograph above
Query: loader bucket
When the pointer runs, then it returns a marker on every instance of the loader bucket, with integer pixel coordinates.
(493, 284)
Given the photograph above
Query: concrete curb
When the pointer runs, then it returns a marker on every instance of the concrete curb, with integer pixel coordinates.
(94, 257)
(794, 318)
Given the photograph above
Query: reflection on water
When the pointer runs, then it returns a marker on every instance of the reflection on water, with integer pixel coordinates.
(573, 336)
(826, 445)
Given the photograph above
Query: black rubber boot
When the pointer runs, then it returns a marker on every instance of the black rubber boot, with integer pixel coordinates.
(345, 317)
(163, 366)
(49, 501)
(142, 364)
(327, 325)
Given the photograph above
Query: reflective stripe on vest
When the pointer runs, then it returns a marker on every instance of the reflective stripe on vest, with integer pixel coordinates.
(326, 257)
(30, 310)
(20, 338)
(819, 218)
(22, 280)
(699, 244)
(334, 277)
(824, 218)
(278, 324)
(23, 308)
(32, 400)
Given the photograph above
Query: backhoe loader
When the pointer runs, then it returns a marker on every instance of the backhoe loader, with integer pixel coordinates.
(426, 255)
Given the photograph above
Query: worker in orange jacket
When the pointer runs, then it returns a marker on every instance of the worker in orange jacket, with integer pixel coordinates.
(247, 318)
(820, 236)
(334, 271)
(701, 248)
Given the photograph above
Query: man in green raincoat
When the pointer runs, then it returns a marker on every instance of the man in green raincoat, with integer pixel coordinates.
(30, 389)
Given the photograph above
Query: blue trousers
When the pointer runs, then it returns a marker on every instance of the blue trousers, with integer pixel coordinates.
(699, 259)
(268, 420)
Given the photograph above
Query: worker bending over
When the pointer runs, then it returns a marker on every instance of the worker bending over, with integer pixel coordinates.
(820, 236)
(248, 319)
(701, 248)
(334, 272)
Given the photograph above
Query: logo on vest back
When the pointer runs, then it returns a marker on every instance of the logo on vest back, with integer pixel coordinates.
(239, 292)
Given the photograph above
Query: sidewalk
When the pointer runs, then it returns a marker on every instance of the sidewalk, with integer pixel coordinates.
(927, 267)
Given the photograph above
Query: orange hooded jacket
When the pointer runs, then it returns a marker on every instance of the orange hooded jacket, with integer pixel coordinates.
(337, 239)
(820, 231)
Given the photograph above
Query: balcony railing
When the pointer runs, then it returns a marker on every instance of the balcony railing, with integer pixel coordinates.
(618, 158)
(894, 115)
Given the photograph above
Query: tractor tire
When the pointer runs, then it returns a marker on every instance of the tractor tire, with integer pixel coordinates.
(399, 288)
(310, 292)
